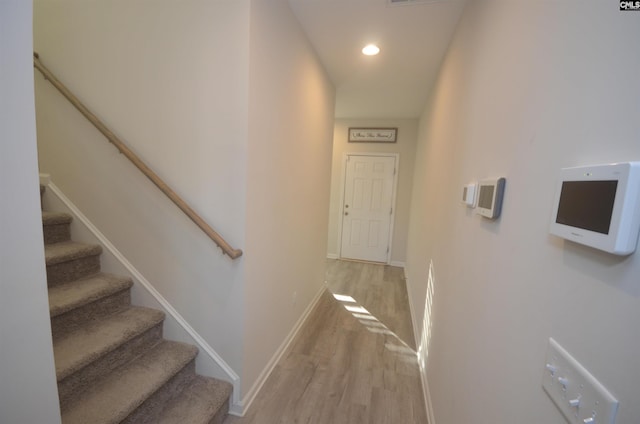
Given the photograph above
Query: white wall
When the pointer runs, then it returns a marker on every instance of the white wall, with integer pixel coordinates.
(228, 103)
(405, 147)
(28, 391)
(170, 78)
(288, 176)
(526, 88)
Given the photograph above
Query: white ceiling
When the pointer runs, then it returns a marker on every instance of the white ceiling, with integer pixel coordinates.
(413, 40)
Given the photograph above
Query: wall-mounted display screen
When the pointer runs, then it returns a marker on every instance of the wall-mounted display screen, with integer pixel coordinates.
(599, 206)
(587, 204)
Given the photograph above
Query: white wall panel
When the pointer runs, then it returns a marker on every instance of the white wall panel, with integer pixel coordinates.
(526, 88)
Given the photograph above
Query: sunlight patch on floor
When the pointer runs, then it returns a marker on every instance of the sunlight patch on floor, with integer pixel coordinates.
(344, 298)
(373, 325)
(356, 309)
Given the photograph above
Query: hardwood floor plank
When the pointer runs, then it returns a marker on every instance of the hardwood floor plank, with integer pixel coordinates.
(354, 360)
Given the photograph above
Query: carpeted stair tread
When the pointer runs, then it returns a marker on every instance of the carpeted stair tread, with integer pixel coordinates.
(69, 250)
(119, 394)
(201, 402)
(68, 296)
(88, 343)
(112, 365)
(55, 218)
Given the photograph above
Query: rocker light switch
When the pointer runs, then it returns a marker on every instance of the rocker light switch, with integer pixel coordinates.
(578, 395)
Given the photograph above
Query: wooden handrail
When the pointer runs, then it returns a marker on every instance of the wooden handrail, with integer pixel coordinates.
(122, 148)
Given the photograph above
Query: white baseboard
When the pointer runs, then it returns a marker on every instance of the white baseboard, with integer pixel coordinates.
(139, 278)
(423, 373)
(332, 256)
(427, 397)
(242, 407)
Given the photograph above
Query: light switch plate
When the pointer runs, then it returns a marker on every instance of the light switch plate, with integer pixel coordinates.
(578, 395)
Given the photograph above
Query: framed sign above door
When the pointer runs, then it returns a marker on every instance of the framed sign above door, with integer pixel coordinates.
(373, 135)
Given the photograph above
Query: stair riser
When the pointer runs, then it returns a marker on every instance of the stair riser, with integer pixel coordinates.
(221, 414)
(150, 410)
(69, 321)
(83, 379)
(72, 270)
(56, 233)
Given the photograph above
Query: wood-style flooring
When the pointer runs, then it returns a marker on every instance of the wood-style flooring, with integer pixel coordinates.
(353, 362)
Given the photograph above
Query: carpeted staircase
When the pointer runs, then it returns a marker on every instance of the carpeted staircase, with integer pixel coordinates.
(112, 364)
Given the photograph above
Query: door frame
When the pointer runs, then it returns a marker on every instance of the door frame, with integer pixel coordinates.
(394, 191)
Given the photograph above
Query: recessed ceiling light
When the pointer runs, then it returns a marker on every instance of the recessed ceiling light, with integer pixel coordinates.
(371, 50)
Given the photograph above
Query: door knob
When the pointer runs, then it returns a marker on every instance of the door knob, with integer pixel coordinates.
(346, 213)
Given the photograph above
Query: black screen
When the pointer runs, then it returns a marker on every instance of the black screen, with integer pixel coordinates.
(485, 199)
(587, 204)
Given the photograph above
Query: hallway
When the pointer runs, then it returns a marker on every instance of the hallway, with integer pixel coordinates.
(353, 361)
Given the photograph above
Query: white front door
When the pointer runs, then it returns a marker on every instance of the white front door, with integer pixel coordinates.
(367, 210)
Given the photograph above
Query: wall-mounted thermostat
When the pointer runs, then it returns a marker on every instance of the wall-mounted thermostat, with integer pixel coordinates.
(469, 195)
(490, 193)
